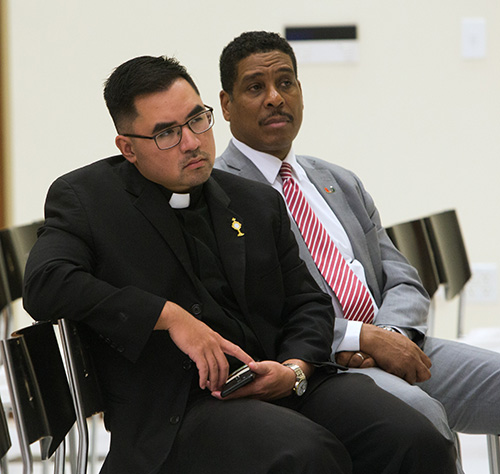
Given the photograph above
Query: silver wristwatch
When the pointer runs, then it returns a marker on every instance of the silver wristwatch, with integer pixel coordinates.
(300, 379)
(388, 328)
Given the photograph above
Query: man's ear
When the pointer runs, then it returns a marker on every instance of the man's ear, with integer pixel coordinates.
(302, 95)
(125, 146)
(225, 103)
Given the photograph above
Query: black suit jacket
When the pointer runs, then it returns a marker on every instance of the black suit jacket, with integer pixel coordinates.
(111, 253)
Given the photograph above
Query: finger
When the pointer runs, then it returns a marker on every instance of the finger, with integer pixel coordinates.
(423, 374)
(368, 362)
(426, 361)
(356, 360)
(222, 372)
(202, 367)
(233, 350)
(212, 380)
(343, 358)
(260, 368)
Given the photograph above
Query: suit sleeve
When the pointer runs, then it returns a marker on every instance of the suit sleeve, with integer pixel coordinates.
(402, 299)
(60, 279)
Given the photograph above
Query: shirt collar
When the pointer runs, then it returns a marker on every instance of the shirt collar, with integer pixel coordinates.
(268, 164)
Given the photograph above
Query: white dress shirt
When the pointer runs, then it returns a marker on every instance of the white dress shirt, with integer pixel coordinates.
(270, 166)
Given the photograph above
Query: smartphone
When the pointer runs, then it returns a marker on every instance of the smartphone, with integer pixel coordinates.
(237, 379)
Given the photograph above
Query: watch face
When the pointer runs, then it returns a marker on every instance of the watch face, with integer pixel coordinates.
(301, 388)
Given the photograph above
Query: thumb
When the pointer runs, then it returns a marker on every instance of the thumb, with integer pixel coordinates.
(260, 368)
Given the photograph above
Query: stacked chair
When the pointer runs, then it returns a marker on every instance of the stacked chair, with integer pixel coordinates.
(435, 247)
(40, 396)
(46, 394)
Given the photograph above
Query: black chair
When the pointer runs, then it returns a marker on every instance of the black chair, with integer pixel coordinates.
(412, 240)
(451, 257)
(40, 395)
(84, 383)
(16, 244)
(5, 300)
(5, 441)
(454, 272)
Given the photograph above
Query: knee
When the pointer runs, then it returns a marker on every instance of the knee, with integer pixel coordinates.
(426, 449)
(318, 452)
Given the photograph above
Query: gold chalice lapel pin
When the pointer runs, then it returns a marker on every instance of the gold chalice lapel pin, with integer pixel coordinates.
(237, 227)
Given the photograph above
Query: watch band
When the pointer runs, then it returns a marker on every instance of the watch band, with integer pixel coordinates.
(388, 328)
(300, 379)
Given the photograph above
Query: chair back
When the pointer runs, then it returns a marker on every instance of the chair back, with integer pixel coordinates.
(449, 251)
(40, 395)
(412, 240)
(74, 337)
(5, 441)
(16, 244)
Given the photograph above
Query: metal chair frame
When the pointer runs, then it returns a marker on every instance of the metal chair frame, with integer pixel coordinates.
(41, 401)
(85, 389)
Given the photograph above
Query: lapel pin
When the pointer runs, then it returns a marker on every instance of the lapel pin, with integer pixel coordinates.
(237, 227)
(330, 189)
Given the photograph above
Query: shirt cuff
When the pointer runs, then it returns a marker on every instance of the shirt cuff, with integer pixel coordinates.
(351, 337)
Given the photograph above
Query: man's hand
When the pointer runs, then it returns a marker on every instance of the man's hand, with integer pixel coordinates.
(273, 381)
(355, 359)
(394, 353)
(205, 347)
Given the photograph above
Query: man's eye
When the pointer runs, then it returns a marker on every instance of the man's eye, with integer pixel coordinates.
(167, 133)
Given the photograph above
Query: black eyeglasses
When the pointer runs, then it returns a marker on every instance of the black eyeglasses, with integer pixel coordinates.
(172, 136)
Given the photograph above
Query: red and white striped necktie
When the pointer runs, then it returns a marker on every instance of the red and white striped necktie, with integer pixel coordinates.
(351, 292)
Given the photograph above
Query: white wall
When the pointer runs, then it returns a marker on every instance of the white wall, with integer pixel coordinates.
(418, 123)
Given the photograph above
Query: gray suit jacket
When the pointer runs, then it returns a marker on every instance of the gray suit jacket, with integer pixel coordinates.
(394, 283)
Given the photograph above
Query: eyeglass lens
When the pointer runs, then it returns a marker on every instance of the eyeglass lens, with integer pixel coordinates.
(199, 124)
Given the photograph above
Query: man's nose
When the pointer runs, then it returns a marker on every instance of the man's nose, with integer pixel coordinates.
(189, 140)
(274, 98)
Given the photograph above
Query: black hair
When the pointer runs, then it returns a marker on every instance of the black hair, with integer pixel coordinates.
(248, 43)
(140, 76)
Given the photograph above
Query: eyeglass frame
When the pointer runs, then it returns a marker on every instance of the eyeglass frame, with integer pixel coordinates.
(180, 127)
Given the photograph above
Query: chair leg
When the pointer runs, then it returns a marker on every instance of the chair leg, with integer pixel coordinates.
(458, 447)
(494, 453)
(92, 444)
(460, 320)
(16, 410)
(60, 458)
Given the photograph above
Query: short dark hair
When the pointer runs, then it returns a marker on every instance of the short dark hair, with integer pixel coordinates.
(140, 76)
(243, 46)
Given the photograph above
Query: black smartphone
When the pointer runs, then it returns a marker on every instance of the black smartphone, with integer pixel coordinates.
(237, 379)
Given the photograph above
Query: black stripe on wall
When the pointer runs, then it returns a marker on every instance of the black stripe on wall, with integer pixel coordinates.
(304, 33)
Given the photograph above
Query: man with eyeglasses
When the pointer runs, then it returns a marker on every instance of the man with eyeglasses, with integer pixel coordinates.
(184, 275)
(261, 98)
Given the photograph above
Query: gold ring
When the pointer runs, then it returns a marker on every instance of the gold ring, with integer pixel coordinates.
(360, 355)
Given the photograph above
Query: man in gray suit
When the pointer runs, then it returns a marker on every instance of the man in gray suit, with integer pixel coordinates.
(455, 385)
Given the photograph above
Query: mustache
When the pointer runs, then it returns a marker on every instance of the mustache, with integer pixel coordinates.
(277, 113)
(195, 155)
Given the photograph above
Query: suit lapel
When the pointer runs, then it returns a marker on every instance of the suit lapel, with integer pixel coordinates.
(240, 165)
(229, 230)
(325, 181)
(152, 203)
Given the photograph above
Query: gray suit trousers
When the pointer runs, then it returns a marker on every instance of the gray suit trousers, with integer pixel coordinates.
(463, 392)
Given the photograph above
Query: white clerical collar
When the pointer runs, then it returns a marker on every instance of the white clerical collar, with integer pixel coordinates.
(267, 164)
(180, 201)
